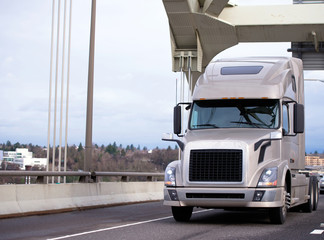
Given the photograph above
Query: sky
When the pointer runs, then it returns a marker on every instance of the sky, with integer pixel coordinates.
(134, 86)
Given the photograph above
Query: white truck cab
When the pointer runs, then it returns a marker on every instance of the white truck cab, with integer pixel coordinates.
(244, 146)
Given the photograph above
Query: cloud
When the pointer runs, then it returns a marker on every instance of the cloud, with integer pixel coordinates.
(8, 60)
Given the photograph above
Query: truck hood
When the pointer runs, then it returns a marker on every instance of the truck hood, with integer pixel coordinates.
(247, 135)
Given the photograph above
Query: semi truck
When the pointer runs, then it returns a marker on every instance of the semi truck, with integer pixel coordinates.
(244, 143)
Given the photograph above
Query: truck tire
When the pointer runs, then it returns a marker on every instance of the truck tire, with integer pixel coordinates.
(278, 215)
(308, 206)
(316, 193)
(182, 214)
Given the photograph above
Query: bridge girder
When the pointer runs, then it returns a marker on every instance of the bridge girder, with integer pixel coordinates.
(200, 29)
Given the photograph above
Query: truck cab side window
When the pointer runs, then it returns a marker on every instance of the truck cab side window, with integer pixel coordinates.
(293, 82)
(285, 119)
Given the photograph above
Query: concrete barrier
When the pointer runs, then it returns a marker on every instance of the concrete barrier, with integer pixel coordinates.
(19, 200)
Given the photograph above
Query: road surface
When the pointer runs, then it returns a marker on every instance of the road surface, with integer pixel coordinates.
(155, 221)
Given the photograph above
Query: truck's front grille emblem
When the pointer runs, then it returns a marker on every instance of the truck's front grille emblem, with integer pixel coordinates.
(215, 165)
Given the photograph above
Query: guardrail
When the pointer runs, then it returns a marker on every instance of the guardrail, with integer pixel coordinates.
(126, 175)
(84, 177)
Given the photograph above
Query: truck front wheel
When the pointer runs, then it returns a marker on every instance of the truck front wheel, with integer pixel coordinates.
(182, 214)
(278, 215)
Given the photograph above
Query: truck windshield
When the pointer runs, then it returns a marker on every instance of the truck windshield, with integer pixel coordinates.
(236, 113)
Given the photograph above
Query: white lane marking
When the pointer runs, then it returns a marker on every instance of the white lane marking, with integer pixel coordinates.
(317, 231)
(121, 226)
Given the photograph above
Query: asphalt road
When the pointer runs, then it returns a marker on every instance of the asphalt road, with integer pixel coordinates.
(155, 221)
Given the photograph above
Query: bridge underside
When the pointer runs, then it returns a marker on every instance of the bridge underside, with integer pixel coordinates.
(200, 29)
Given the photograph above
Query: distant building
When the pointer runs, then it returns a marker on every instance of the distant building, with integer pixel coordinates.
(314, 160)
(21, 157)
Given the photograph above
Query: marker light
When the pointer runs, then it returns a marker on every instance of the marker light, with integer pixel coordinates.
(170, 177)
(258, 195)
(268, 177)
(173, 195)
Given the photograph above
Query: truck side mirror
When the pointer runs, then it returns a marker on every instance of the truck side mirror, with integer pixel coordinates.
(299, 122)
(177, 120)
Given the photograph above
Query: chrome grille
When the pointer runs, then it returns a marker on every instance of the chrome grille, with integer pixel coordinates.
(215, 165)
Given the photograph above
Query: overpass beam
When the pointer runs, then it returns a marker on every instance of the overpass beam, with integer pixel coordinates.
(276, 23)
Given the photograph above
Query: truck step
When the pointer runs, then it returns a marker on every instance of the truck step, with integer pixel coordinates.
(288, 199)
(294, 200)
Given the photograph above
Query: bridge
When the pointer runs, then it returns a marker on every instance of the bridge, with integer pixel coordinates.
(195, 28)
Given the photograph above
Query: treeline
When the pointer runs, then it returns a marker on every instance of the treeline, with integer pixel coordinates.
(111, 157)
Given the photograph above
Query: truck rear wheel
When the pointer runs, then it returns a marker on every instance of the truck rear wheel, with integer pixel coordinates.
(278, 215)
(316, 193)
(182, 214)
(308, 206)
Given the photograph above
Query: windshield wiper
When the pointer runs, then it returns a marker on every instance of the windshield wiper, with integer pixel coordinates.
(258, 125)
(206, 125)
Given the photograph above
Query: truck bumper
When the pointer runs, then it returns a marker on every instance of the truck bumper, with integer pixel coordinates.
(224, 197)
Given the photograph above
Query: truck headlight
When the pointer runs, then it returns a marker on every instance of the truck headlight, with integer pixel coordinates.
(268, 177)
(170, 177)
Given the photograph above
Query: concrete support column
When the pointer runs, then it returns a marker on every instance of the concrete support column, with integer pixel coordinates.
(88, 144)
